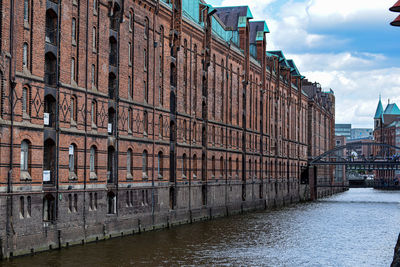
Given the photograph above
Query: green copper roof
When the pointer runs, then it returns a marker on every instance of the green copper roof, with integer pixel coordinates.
(392, 109)
(379, 110)
(249, 15)
(293, 68)
(266, 29)
(242, 22)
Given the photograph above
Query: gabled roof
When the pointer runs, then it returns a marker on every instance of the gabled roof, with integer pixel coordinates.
(281, 56)
(257, 30)
(293, 68)
(230, 16)
(392, 109)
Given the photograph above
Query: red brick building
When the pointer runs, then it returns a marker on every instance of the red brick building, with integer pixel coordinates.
(128, 115)
(387, 131)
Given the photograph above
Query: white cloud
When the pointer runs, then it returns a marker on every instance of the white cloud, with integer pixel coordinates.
(308, 31)
(357, 91)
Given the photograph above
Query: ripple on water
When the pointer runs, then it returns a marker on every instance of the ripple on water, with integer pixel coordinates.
(356, 228)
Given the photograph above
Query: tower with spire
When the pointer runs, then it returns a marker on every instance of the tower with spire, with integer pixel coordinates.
(378, 118)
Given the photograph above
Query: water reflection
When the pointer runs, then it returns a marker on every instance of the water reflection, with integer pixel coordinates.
(356, 228)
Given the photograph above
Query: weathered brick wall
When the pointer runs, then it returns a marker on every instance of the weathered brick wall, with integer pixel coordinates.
(254, 140)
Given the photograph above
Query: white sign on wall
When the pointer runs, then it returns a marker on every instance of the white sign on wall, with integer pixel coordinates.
(109, 128)
(46, 176)
(71, 150)
(46, 118)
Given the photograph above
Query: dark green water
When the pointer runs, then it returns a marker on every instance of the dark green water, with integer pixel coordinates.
(355, 228)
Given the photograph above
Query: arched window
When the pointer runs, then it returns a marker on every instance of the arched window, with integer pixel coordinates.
(26, 10)
(25, 156)
(129, 119)
(29, 206)
(129, 161)
(146, 28)
(94, 112)
(194, 132)
(95, 6)
(145, 65)
(237, 166)
(21, 207)
(94, 39)
(74, 109)
(73, 159)
(144, 164)
(160, 126)
(25, 100)
(73, 68)
(48, 208)
(93, 161)
(160, 165)
(130, 53)
(25, 55)
(195, 166)
(111, 203)
(51, 27)
(73, 31)
(93, 75)
(184, 166)
(130, 20)
(50, 70)
(113, 56)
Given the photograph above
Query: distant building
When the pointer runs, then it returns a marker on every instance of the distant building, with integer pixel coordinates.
(360, 150)
(387, 130)
(359, 133)
(340, 170)
(343, 130)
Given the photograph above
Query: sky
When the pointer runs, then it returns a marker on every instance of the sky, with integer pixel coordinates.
(345, 45)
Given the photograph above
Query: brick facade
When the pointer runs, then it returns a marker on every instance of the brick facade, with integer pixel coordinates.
(133, 115)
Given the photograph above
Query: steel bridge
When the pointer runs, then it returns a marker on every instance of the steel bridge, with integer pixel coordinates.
(378, 156)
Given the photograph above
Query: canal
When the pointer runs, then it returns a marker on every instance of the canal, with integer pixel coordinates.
(355, 228)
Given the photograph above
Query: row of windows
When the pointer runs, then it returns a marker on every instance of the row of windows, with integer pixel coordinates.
(73, 162)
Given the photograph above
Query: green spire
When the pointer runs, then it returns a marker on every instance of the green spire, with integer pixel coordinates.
(379, 109)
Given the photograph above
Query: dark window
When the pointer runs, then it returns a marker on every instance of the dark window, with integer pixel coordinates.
(48, 208)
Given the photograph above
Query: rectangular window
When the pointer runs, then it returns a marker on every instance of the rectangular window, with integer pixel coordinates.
(130, 53)
(73, 30)
(145, 59)
(26, 10)
(24, 99)
(25, 55)
(94, 41)
(93, 76)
